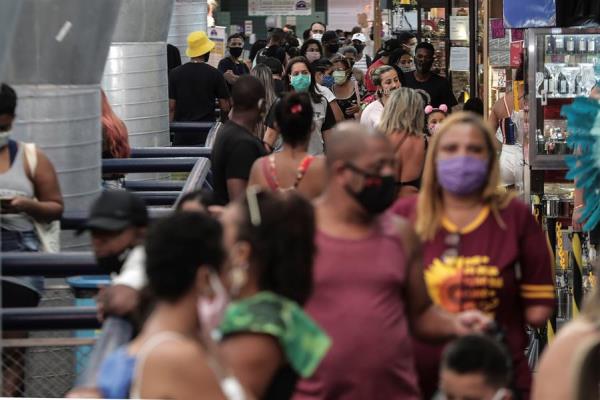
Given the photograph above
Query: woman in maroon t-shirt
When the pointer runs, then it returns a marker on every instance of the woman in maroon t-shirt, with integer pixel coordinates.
(482, 248)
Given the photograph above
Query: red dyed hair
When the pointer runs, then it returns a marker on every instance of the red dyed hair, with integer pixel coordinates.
(114, 132)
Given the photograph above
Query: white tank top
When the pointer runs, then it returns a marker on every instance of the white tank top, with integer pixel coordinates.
(230, 386)
(15, 182)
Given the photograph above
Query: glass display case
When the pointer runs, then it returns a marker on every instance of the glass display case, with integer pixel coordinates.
(563, 64)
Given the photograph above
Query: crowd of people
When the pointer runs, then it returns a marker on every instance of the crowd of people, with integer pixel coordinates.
(358, 243)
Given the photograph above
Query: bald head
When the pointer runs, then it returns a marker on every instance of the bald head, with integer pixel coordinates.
(348, 141)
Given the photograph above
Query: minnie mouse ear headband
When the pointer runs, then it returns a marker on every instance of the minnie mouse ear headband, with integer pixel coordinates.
(442, 108)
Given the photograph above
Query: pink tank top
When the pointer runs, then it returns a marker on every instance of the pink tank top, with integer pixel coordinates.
(359, 300)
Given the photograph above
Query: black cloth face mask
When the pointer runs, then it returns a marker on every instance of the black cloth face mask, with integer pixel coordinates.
(114, 262)
(378, 192)
(235, 51)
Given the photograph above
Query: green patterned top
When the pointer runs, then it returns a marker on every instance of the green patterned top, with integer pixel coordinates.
(301, 339)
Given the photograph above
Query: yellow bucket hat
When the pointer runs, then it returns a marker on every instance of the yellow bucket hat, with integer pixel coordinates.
(198, 44)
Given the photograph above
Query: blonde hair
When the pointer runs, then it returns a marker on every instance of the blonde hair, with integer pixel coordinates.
(376, 75)
(585, 375)
(430, 205)
(403, 112)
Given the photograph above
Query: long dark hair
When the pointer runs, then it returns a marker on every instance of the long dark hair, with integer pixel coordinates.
(282, 243)
(256, 47)
(312, 89)
(308, 43)
(294, 116)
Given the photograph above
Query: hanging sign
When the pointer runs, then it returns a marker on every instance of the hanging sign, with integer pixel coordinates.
(497, 26)
(248, 27)
(459, 28)
(516, 49)
(498, 78)
(459, 59)
(517, 34)
(279, 7)
(218, 35)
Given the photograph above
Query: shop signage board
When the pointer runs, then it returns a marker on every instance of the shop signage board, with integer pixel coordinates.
(346, 14)
(529, 13)
(279, 7)
(248, 28)
(218, 35)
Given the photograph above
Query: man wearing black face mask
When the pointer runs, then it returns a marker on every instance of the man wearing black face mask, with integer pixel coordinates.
(232, 66)
(368, 290)
(363, 61)
(331, 44)
(117, 224)
(437, 87)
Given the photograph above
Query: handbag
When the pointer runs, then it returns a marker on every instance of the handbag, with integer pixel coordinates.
(47, 232)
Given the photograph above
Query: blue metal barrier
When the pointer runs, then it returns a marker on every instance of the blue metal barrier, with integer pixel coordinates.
(190, 126)
(154, 185)
(45, 318)
(50, 265)
(159, 152)
(190, 133)
(159, 198)
(141, 165)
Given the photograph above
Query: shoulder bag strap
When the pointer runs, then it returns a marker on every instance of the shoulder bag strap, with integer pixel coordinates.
(31, 157)
(13, 149)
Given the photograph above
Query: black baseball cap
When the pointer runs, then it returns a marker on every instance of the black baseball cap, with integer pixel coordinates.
(116, 210)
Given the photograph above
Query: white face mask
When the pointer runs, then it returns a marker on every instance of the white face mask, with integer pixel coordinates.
(211, 311)
(501, 394)
(408, 68)
(388, 91)
(4, 138)
(317, 36)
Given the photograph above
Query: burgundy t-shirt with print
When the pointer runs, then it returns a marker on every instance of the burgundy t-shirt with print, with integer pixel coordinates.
(499, 271)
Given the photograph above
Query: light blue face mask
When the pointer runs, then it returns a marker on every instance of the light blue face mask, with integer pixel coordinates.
(301, 82)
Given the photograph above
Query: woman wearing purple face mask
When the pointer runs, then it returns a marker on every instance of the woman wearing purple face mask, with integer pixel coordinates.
(482, 248)
(268, 339)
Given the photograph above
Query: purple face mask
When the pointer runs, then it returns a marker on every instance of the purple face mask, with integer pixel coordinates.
(462, 175)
